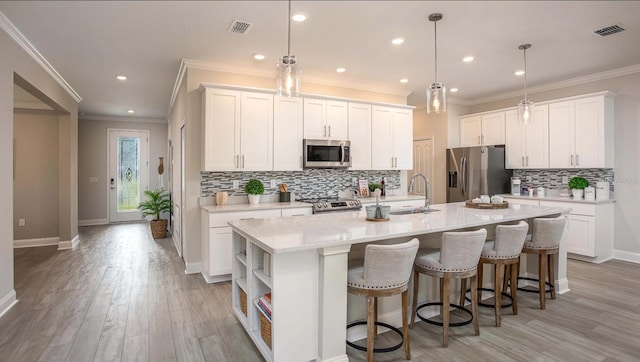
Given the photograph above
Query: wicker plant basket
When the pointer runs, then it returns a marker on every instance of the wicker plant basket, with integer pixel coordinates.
(159, 228)
(265, 329)
(243, 302)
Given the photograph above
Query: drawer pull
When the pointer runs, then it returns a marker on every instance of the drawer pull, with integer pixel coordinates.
(248, 218)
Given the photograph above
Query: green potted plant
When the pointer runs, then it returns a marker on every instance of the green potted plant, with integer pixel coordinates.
(254, 188)
(373, 186)
(577, 186)
(157, 202)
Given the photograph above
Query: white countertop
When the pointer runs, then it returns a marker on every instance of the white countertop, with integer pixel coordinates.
(260, 206)
(558, 198)
(289, 234)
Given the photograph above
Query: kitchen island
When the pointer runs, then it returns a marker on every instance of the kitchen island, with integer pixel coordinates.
(301, 265)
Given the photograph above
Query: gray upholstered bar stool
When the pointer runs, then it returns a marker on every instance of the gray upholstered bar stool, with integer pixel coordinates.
(545, 241)
(503, 251)
(457, 258)
(385, 271)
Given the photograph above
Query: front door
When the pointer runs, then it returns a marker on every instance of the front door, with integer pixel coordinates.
(128, 173)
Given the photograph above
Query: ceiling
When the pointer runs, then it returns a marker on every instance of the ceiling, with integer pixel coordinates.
(89, 43)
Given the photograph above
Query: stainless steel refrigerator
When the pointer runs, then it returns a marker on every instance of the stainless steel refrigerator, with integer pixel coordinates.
(475, 171)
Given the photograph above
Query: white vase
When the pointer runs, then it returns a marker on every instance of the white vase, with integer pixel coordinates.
(577, 193)
(254, 199)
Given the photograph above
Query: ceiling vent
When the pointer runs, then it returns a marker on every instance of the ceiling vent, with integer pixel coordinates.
(240, 27)
(610, 30)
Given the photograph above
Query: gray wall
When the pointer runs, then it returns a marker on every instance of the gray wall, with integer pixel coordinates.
(35, 193)
(92, 162)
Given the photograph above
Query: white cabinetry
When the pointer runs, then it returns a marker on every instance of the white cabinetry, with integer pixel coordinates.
(360, 135)
(325, 119)
(237, 130)
(527, 145)
(287, 133)
(480, 130)
(581, 133)
(391, 138)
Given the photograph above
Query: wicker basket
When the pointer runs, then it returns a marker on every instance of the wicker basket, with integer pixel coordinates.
(159, 228)
(265, 329)
(243, 301)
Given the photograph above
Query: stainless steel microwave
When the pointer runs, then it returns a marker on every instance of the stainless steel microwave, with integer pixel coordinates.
(326, 154)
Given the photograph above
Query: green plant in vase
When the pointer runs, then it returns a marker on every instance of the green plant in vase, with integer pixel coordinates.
(577, 186)
(254, 188)
(158, 202)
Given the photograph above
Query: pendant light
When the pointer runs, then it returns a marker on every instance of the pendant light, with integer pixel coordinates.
(437, 92)
(288, 69)
(525, 107)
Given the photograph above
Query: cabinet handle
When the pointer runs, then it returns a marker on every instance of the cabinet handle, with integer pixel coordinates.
(391, 161)
(248, 218)
(522, 160)
(298, 215)
(325, 131)
(577, 163)
(482, 138)
(479, 142)
(329, 130)
(396, 161)
(527, 160)
(242, 161)
(237, 161)
(571, 160)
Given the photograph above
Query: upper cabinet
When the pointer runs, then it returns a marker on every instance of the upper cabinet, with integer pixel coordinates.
(527, 145)
(581, 133)
(360, 135)
(325, 119)
(287, 133)
(391, 138)
(482, 130)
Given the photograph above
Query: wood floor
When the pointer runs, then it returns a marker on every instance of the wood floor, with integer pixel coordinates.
(121, 296)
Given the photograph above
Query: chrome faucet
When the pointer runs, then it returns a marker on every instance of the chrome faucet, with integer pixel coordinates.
(426, 189)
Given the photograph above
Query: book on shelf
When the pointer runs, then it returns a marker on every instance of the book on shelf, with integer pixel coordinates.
(267, 297)
(264, 307)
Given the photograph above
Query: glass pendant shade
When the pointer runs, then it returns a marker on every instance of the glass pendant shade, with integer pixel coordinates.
(288, 76)
(436, 98)
(525, 111)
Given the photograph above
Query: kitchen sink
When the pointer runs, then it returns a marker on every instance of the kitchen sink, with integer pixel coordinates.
(412, 211)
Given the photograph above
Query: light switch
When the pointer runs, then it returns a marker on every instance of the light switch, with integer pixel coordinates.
(93, 179)
(236, 184)
(273, 183)
(22, 222)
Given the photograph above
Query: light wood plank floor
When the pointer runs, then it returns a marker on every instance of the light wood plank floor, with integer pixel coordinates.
(122, 296)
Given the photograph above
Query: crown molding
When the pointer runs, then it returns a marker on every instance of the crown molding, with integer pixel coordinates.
(561, 84)
(31, 50)
(32, 106)
(182, 70)
(121, 119)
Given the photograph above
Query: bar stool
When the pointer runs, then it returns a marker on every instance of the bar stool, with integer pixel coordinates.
(545, 241)
(385, 271)
(457, 258)
(503, 251)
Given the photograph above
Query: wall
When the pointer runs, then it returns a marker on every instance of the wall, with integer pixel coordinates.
(35, 192)
(626, 151)
(552, 178)
(92, 162)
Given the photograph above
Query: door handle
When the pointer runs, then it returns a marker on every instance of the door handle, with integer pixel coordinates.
(463, 166)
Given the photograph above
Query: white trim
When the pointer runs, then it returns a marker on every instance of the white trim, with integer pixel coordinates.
(92, 222)
(340, 358)
(7, 302)
(626, 256)
(175, 243)
(66, 245)
(31, 50)
(122, 119)
(182, 70)
(39, 106)
(30, 243)
(216, 279)
(192, 268)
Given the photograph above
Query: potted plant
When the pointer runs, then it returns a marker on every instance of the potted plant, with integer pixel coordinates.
(577, 186)
(254, 188)
(158, 202)
(373, 186)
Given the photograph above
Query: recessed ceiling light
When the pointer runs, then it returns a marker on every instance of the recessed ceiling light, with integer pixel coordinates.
(131, 111)
(453, 90)
(397, 40)
(468, 59)
(341, 70)
(299, 17)
(258, 56)
(519, 72)
(121, 77)
(404, 80)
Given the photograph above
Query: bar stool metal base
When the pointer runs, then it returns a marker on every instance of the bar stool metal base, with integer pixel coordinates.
(376, 350)
(457, 324)
(551, 287)
(482, 304)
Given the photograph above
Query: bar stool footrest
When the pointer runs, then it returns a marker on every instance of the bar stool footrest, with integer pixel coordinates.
(376, 350)
(482, 304)
(551, 287)
(457, 324)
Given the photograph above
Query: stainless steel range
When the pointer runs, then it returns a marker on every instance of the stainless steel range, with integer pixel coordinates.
(322, 205)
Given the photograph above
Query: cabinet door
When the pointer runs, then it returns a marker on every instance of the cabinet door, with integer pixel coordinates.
(337, 120)
(360, 135)
(561, 135)
(514, 141)
(470, 131)
(589, 131)
(220, 135)
(537, 139)
(580, 235)
(493, 129)
(403, 139)
(315, 116)
(220, 253)
(287, 134)
(256, 132)
(381, 138)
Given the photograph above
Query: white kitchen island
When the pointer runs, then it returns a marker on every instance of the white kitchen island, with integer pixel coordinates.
(308, 270)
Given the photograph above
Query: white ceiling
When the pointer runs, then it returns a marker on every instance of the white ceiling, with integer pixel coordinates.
(88, 43)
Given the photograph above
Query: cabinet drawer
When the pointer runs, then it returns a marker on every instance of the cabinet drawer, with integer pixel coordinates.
(221, 219)
(576, 208)
(522, 201)
(299, 211)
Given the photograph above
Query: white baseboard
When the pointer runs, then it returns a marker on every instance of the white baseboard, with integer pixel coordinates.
(175, 243)
(341, 358)
(192, 268)
(7, 302)
(91, 222)
(626, 256)
(30, 243)
(69, 244)
(216, 279)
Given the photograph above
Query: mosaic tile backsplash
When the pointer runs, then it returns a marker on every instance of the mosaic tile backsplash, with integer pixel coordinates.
(305, 184)
(552, 178)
